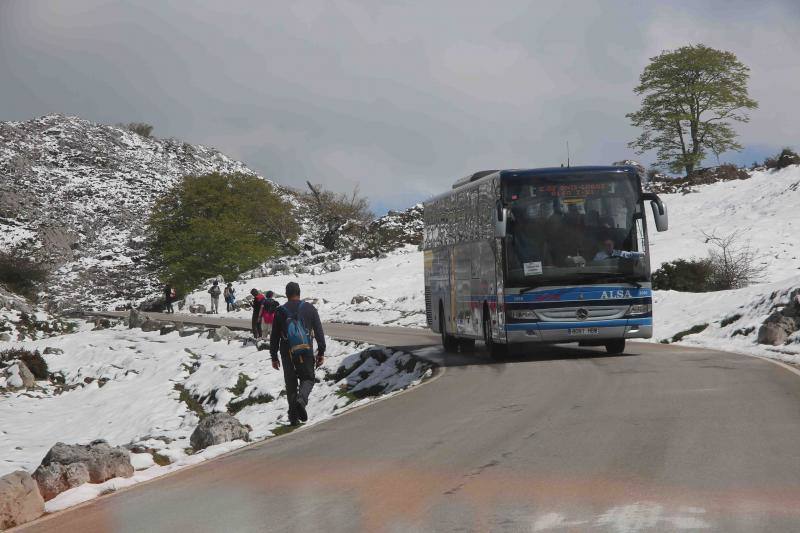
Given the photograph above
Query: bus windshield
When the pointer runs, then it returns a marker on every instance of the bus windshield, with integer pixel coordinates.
(582, 228)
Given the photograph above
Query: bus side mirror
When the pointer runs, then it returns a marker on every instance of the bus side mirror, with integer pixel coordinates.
(500, 221)
(659, 211)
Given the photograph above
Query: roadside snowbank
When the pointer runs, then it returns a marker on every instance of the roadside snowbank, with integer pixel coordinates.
(146, 391)
(726, 320)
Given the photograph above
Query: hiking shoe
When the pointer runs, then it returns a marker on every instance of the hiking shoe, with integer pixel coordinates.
(294, 422)
(301, 410)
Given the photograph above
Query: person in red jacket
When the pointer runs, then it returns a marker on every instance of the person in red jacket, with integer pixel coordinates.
(268, 308)
(258, 303)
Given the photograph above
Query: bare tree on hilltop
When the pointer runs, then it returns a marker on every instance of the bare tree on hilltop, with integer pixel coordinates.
(335, 214)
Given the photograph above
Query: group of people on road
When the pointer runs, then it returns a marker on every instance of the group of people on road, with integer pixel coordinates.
(291, 329)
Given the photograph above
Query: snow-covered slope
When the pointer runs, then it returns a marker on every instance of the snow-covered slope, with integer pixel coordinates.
(76, 195)
(384, 291)
(765, 208)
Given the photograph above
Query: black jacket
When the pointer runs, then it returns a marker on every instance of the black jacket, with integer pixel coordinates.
(308, 315)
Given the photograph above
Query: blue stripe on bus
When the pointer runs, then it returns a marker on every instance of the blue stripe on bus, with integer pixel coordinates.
(580, 294)
(589, 324)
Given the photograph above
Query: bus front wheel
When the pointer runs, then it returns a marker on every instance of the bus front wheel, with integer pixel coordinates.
(616, 346)
(449, 342)
(496, 351)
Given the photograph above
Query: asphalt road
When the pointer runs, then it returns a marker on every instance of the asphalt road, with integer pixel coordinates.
(662, 438)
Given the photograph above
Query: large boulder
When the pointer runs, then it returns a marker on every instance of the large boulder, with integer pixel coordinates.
(776, 329)
(135, 319)
(216, 429)
(20, 500)
(19, 376)
(5, 337)
(55, 478)
(102, 460)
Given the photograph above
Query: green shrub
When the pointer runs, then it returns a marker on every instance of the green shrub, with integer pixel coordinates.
(693, 275)
(782, 160)
(33, 360)
(217, 224)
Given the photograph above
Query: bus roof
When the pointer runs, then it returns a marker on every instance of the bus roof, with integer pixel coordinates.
(513, 173)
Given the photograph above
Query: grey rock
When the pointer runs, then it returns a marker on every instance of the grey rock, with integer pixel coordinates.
(776, 329)
(53, 351)
(222, 333)
(26, 379)
(359, 298)
(101, 323)
(187, 332)
(102, 460)
(169, 328)
(135, 319)
(152, 325)
(55, 478)
(216, 429)
(5, 337)
(197, 308)
(333, 266)
(20, 500)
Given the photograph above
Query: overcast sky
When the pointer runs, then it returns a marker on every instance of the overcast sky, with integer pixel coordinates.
(401, 98)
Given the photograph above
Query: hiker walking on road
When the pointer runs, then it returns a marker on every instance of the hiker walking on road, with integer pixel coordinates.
(214, 292)
(258, 302)
(230, 297)
(268, 308)
(293, 331)
(169, 297)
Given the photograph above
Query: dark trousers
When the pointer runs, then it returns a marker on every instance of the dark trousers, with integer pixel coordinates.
(256, 327)
(299, 379)
(168, 307)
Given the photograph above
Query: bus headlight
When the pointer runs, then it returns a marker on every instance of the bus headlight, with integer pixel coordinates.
(640, 309)
(523, 314)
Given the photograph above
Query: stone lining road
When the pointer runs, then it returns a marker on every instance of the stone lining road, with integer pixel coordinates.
(662, 438)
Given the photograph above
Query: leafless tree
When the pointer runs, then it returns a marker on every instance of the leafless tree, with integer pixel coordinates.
(734, 263)
(334, 214)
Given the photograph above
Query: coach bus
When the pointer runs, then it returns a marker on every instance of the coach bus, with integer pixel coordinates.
(548, 255)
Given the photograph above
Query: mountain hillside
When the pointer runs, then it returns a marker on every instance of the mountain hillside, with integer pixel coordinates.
(76, 196)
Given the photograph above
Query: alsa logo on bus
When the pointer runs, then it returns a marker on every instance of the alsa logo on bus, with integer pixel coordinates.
(619, 293)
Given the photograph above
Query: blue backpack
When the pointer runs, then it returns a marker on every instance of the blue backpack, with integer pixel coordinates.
(297, 335)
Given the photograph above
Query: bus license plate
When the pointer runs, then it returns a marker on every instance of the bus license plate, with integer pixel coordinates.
(584, 331)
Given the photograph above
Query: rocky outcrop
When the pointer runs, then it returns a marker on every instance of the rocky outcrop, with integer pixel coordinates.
(216, 429)
(778, 326)
(18, 376)
(55, 478)
(222, 333)
(20, 500)
(104, 180)
(135, 319)
(101, 462)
